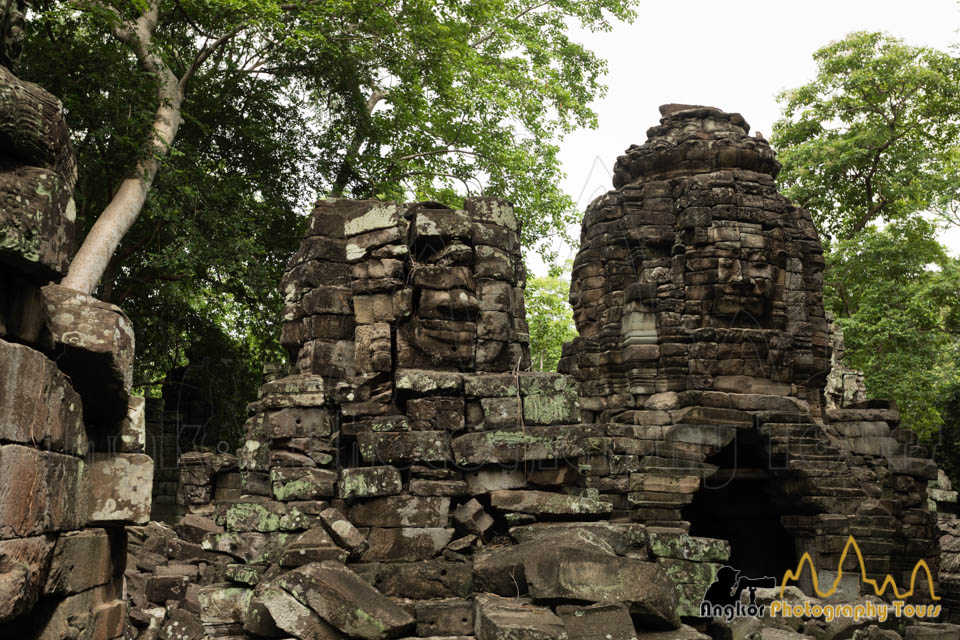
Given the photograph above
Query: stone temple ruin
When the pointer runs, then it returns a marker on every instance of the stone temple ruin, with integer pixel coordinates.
(407, 476)
(467, 496)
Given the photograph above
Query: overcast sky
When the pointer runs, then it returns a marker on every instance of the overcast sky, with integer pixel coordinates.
(735, 55)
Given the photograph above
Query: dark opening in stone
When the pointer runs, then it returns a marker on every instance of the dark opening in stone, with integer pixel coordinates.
(735, 504)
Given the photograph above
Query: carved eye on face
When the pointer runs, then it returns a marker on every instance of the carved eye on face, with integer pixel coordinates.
(728, 269)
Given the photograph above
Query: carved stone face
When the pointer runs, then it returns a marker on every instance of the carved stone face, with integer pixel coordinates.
(695, 273)
(464, 268)
(745, 284)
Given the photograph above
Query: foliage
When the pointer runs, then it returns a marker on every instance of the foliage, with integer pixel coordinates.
(550, 319)
(424, 99)
(871, 147)
(874, 136)
(946, 448)
(896, 294)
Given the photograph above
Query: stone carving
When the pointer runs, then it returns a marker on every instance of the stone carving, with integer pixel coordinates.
(468, 497)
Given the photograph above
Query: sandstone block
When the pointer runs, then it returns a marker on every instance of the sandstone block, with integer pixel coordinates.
(471, 516)
(609, 621)
(93, 343)
(39, 404)
(22, 565)
(418, 580)
(448, 617)
(288, 614)
(83, 560)
(343, 599)
(182, 625)
(562, 573)
(405, 543)
(296, 483)
(40, 492)
(544, 502)
(342, 531)
(398, 447)
(497, 618)
(121, 488)
(368, 482)
(401, 511)
(313, 545)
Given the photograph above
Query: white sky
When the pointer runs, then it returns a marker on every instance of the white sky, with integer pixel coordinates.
(735, 55)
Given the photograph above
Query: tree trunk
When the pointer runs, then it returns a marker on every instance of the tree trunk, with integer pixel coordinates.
(111, 226)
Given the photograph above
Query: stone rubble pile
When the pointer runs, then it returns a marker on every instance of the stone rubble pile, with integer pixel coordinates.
(72, 471)
(409, 477)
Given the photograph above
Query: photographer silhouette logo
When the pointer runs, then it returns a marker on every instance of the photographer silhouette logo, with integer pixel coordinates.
(723, 598)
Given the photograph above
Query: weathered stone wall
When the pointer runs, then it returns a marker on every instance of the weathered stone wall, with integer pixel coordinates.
(71, 471)
(410, 477)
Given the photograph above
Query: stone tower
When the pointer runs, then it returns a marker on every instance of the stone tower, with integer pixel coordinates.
(408, 476)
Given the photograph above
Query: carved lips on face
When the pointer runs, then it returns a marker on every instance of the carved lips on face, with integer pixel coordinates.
(745, 284)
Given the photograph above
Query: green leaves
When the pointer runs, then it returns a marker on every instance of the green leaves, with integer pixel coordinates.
(870, 146)
(550, 319)
(896, 294)
(872, 136)
(398, 99)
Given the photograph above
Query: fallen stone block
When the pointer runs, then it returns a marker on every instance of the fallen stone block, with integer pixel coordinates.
(342, 598)
(368, 482)
(619, 537)
(689, 633)
(606, 621)
(93, 343)
(674, 543)
(483, 481)
(544, 502)
(472, 517)
(193, 528)
(578, 574)
(159, 589)
(223, 603)
(121, 488)
(314, 545)
(401, 511)
(499, 618)
(273, 609)
(343, 532)
(405, 543)
(418, 580)
(182, 625)
(447, 617)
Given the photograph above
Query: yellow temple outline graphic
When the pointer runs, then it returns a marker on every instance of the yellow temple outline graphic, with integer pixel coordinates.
(878, 590)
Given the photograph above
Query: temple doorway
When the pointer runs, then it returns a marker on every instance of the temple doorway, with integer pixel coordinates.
(737, 504)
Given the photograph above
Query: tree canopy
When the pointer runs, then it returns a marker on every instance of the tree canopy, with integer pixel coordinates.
(213, 125)
(550, 319)
(871, 146)
(874, 136)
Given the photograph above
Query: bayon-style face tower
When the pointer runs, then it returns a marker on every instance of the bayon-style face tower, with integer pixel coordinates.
(695, 274)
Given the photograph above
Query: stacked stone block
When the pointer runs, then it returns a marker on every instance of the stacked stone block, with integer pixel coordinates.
(72, 471)
(410, 477)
